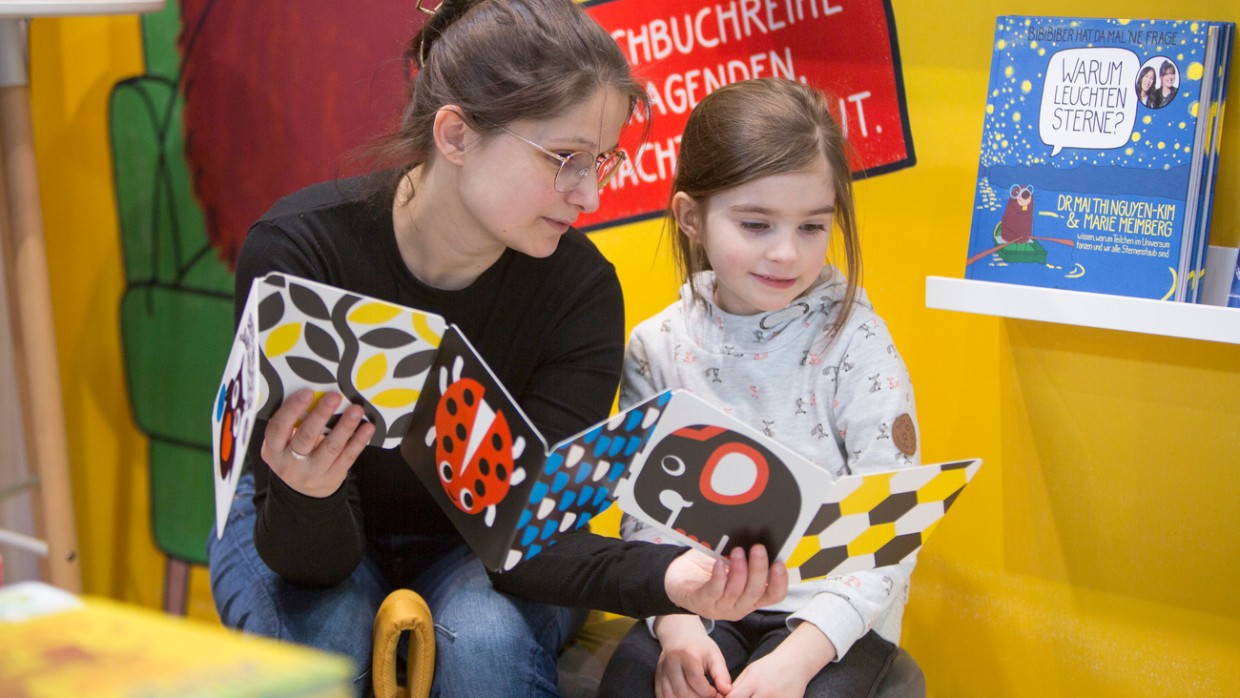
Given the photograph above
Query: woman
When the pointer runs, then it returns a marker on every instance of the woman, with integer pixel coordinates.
(512, 130)
(1167, 88)
(1146, 80)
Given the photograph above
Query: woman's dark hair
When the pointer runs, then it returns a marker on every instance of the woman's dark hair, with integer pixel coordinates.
(753, 129)
(1147, 70)
(502, 61)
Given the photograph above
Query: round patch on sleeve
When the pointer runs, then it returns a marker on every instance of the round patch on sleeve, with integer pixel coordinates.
(904, 434)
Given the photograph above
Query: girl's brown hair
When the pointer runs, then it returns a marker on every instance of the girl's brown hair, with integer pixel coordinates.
(753, 129)
(502, 61)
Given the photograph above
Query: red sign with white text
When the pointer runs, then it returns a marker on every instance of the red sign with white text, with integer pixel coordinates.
(684, 49)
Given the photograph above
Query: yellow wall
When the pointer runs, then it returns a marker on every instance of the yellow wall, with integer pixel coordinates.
(1095, 555)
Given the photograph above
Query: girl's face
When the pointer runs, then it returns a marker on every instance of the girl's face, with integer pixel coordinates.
(1147, 81)
(508, 186)
(766, 240)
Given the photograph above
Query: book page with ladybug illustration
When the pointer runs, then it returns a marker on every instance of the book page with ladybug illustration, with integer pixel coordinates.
(300, 334)
(490, 470)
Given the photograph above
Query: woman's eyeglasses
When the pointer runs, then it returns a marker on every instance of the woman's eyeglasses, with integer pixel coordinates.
(575, 167)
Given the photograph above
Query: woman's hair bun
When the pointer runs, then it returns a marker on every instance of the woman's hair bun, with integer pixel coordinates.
(441, 18)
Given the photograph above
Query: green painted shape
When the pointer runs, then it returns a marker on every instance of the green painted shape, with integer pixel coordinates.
(1024, 252)
(176, 314)
(182, 500)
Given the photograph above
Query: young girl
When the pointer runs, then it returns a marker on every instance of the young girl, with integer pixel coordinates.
(511, 132)
(767, 330)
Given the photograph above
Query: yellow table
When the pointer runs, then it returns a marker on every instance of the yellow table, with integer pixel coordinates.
(96, 648)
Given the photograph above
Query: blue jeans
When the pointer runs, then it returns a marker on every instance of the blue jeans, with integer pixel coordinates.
(486, 643)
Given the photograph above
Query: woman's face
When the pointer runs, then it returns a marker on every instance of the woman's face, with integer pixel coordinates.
(1147, 81)
(507, 185)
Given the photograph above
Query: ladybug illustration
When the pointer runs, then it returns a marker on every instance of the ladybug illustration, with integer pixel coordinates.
(475, 453)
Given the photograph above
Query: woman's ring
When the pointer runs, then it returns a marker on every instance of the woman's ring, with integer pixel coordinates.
(298, 456)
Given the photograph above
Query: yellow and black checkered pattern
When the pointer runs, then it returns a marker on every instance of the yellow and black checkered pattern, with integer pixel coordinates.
(878, 519)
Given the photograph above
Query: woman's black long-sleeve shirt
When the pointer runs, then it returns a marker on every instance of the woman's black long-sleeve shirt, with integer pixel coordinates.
(551, 329)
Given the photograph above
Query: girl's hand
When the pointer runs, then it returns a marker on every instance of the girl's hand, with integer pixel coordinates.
(306, 460)
(689, 658)
(706, 586)
(786, 671)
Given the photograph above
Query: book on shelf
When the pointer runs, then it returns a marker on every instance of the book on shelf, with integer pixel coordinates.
(1233, 298)
(1099, 147)
(674, 461)
(1213, 138)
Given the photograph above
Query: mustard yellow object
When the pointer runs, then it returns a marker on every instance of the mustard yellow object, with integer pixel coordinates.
(872, 539)
(371, 372)
(804, 550)
(373, 313)
(282, 339)
(396, 397)
(423, 329)
(941, 487)
(872, 491)
(403, 611)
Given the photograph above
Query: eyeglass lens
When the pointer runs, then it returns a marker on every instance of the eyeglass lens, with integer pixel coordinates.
(578, 166)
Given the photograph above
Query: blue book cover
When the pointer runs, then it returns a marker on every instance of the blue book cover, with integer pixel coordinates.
(1093, 146)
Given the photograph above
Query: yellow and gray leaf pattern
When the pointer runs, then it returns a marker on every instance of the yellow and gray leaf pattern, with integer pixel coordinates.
(375, 353)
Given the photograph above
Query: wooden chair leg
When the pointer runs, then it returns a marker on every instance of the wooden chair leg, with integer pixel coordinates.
(176, 586)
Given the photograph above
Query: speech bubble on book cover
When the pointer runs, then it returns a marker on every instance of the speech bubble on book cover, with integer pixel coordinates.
(1089, 98)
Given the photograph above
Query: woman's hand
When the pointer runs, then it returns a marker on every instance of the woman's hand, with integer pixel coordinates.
(706, 586)
(690, 660)
(303, 457)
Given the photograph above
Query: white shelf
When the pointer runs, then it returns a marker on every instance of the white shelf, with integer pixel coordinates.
(1189, 320)
(59, 8)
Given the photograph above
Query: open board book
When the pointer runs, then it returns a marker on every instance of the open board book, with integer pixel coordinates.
(1099, 151)
(673, 461)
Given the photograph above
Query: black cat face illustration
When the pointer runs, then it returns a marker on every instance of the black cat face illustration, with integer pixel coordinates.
(719, 488)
